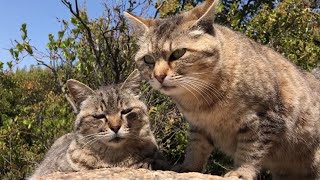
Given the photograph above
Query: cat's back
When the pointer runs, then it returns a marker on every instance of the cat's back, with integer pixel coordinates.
(262, 68)
(54, 157)
(259, 74)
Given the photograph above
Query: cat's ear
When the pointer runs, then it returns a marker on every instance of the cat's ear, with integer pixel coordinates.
(140, 24)
(203, 15)
(133, 82)
(78, 90)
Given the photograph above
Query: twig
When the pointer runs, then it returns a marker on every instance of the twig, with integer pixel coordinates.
(89, 33)
(55, 74)
(183, 4)
(158, 9)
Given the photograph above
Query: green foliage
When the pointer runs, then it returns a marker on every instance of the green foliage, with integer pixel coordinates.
(168, 126)
(33, 106)
(32, 114)
(1, 65)
(290, 29)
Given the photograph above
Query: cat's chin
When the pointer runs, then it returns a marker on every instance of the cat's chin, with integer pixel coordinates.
(164, 89)
(116, 142)
(170, 90)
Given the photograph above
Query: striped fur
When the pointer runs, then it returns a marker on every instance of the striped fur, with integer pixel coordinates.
(111, 129)
(247, 99)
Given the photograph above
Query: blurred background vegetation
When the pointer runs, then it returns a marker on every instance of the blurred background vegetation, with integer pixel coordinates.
(35, 107)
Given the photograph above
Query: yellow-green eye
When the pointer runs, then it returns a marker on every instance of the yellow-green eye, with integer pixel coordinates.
(149, 60)
(177, 54)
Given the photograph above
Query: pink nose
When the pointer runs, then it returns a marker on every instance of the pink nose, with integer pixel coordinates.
(115, 128)
(160, 78)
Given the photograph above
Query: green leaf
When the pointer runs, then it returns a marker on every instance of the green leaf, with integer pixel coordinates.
(1, 65)
(10, 64)
(16, 54)
(65, 23)
(73, 21)
(60, 34)
(19, 47)
(220, 8)
(23, 36)
(28, 48)
(23, 27)
(11, 51)
(51, 38)
(76, 31)
(24, 31)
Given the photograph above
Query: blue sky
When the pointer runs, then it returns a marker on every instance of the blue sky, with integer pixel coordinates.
(41, 18)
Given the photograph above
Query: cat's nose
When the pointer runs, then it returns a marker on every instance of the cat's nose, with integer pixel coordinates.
(115, 128)
(160, 78)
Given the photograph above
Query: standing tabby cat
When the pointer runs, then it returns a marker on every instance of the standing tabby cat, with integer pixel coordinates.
(111, 129)
(236, 94)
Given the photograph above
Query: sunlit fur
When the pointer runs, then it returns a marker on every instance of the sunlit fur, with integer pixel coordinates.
(242, 97)
(110, 101)
(95, 142)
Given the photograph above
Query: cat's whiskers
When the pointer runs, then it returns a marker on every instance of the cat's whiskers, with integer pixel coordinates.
(208, 86)
(185, 86)
(93, 141)
(87, 142)
(202, 87)
(95, 138)
(199, 87)
(87, 136)
(197, 90)
(199, 73)
(90, 136)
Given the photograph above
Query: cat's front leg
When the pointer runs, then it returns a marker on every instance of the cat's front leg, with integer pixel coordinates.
(255, 137)
(198, 151)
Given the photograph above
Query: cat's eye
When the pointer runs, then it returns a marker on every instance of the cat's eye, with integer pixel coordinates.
(149, 60)
(126, 111)
(177, 54)
(99, 116)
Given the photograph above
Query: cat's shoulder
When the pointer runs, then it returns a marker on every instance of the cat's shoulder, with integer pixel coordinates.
(62, 143)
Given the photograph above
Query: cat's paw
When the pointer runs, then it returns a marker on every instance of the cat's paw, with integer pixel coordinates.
(145, 164)
(238, 175)
(160, 164)
(180, 168)
(231, 178)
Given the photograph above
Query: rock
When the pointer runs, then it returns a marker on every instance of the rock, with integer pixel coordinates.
(127, 174)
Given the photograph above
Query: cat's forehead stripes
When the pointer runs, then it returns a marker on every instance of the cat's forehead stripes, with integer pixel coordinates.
(109, 97)
(162, 32)
(103, 104)
(164, 28)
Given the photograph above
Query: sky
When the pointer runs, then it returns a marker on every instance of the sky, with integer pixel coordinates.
(41, 19)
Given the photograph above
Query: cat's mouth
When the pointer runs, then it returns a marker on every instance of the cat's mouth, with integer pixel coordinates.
(167, 88)
(116, 139)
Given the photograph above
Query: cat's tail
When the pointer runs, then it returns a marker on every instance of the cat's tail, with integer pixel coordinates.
(316, 72)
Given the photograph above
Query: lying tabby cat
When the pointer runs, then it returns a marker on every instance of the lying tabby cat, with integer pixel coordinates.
(242, 97)
(111, 129)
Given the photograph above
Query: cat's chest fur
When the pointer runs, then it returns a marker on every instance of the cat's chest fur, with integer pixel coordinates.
(103, 157)
(219, 123)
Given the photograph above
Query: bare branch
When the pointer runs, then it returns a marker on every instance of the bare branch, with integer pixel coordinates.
(158, 9)
(89, 34)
